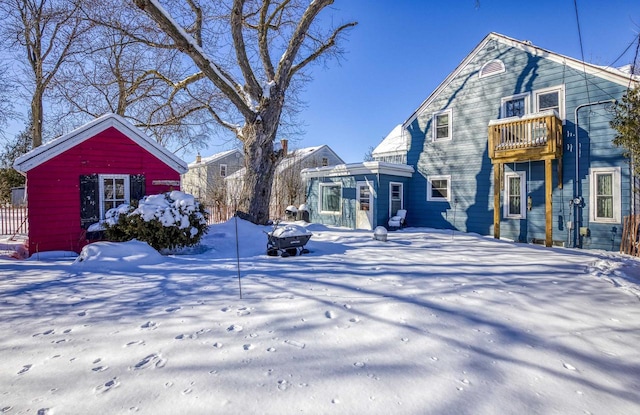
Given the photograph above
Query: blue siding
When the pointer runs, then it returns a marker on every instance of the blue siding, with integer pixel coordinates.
(475, 101)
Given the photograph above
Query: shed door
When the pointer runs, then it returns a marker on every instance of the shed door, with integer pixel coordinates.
(364, 206)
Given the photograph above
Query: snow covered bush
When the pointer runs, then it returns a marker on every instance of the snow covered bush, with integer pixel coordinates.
(166, 221)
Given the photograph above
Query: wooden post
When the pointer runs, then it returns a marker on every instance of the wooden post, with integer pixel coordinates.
(548, 187)
(497, 173)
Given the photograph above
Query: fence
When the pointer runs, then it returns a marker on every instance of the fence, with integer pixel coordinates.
(218, 214)
(631, 235)
(13, 220)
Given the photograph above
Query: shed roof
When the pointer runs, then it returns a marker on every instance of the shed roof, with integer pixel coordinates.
(215, 157)
(55, 147)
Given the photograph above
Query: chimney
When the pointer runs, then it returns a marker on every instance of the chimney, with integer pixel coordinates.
(198, 158)
(284, 143)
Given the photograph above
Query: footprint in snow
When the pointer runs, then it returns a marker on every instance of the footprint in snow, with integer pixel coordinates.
(154, 360)
(149, 325)
(248, 346)
(568, 366)
(330, 314)
(100, 368)
(172, 309)
(24, 369)
(45, 411)
(234, 327)
(135, 343)
(107, 386)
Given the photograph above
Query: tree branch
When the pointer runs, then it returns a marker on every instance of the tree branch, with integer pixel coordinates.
(186, 44)
(323, 48)
(253, 87)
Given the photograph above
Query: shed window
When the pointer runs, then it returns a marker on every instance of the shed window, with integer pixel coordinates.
(223, 170)
(330, 198)
(114, 191)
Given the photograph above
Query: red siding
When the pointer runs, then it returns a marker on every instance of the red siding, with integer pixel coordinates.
(53, 187)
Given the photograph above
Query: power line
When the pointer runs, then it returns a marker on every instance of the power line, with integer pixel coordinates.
(575, 5)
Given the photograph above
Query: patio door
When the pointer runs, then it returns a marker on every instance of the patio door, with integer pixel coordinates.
(364, 206)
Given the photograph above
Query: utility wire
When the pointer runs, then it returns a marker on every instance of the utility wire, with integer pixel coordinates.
(575, 5)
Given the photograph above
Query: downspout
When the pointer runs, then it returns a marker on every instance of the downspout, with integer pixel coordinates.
(577, 198)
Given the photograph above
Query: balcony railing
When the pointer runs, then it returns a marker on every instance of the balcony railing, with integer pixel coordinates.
(535, 136)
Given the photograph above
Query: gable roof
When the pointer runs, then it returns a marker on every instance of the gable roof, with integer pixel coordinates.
(614, 75)
(293, 157)
(395, 142)
(215, 157)
(65, 142)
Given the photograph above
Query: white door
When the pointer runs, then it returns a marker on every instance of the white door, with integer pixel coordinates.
(364, 206)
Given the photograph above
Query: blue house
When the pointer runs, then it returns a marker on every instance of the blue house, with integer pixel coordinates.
(514, 143)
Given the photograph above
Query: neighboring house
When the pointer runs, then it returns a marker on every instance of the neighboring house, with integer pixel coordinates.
(205, 177)
(393, 148)
(73, 180)
(515, 143)
(288, 187)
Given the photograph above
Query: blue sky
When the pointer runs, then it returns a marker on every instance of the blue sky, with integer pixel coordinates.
(402, 50)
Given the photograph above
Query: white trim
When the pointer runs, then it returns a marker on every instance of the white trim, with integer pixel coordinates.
(434, 125)
(391, 184)
(527, 103)
(329, 212)
(127, 189)
(561, 99)
(61, 144)
(523, 195)
(430, 198)
(617, 194)
(368, 167)
(223, 165)
(499, 71)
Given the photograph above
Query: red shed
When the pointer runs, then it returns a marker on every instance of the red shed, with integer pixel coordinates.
(73, 180)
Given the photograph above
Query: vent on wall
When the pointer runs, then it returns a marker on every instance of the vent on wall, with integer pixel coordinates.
(490, 68)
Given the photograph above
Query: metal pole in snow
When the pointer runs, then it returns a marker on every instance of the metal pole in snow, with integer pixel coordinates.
(238, 254)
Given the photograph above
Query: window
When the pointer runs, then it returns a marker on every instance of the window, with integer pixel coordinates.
(113, 191)
(515, 106)
(395, 198)
(442, 125)
(515, 191)
(325, 161)
(223, 170)
(493, 67)
(604, 204)
(550, 99)
(330, 198)
(439, 188)
(364, 197)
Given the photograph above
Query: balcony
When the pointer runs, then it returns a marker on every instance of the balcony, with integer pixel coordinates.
(535, 136)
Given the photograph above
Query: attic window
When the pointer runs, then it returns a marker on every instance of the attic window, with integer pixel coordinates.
(490, 68)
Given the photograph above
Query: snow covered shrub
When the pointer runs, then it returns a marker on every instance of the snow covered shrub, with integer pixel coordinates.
(166, 221)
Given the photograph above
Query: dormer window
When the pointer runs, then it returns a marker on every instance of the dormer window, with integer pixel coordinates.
(490, 68)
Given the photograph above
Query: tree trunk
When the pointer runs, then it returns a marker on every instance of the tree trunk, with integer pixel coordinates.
(37, 117)
(260, 162)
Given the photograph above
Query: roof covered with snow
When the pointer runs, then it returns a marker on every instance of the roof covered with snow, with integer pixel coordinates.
(215, 157)
(394, 142)
(63, 143)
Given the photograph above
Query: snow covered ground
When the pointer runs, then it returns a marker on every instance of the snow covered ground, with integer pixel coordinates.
(428, 322)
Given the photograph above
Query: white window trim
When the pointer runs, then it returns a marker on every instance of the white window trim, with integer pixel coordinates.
(391, 184)
(502, 69)
(329, 212)
(127, 189)
(434, 125)
(226, 170)
(523, 195)
(429, 188)
(561, 99)
(617, 194)
(527, 103)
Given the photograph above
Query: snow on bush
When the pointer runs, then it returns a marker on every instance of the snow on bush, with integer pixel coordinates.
(166, 221)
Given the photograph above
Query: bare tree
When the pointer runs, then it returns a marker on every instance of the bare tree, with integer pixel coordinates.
(149, 86)
(45, 34)
(233, 44)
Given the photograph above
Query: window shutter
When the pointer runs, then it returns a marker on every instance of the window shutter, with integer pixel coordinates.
(136, 188)
(89, 200)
